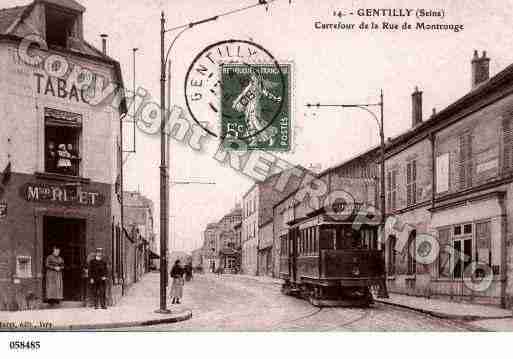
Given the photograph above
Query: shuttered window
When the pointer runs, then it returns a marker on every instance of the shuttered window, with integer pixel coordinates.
(392, 190)
(465, 160)
(507, 143)
(411, 182)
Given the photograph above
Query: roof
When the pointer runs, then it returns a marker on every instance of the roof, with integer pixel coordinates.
(69, 4)
(9, 16)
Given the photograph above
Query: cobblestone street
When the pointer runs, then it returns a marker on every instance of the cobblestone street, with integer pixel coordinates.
(233, 303)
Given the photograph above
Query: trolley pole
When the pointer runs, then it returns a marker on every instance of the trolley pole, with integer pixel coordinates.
(366, 107)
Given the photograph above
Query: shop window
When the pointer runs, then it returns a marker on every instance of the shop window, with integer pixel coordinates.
(63, 131)
(23, 267)
(60, 25)
(457, 230)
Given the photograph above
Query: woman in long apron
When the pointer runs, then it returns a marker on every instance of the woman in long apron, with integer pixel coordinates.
(176, 292)
(54, 288)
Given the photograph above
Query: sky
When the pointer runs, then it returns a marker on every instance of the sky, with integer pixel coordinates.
(330, 66)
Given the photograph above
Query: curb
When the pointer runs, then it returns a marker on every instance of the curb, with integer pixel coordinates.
(182, 316)
(441, 315)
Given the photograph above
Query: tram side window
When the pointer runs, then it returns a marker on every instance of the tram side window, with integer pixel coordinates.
(326, 238)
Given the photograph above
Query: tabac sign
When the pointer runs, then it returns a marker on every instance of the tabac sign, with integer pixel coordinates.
(59, 194)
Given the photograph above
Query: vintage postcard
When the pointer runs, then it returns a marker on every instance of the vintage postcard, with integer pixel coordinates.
(255, 165)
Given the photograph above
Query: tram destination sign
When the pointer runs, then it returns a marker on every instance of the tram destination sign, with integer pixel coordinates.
(61, 194)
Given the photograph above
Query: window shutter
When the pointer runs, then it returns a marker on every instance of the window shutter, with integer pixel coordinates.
(507, 139)
(465, 160)
(408, 183)
(483, 242)
(414, 181)
(444, 257)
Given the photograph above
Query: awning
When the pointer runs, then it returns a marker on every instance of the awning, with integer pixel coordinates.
(154, 255)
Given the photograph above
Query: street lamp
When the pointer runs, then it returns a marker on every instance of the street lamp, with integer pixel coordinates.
(164, 56)
(163, 165)
(366, 107)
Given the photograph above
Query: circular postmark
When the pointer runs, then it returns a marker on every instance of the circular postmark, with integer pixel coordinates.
(237, 89)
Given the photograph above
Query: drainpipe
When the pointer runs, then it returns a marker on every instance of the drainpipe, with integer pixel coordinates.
(503, 249)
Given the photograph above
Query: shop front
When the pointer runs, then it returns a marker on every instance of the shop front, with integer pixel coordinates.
(43, 214)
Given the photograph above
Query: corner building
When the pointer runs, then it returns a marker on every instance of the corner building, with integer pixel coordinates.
(59, 153)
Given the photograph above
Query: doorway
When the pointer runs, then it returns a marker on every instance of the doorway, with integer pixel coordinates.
(67, 234)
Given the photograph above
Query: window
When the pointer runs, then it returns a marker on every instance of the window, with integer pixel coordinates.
(465, 160)
(326, 238)
(59, 26)
(62, 142)
(23, 266)
(411, 183)
(442, 173)
(392, 190)
(392, 241)
(411, 263)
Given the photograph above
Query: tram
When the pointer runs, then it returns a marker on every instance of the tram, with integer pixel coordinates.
(331, 262)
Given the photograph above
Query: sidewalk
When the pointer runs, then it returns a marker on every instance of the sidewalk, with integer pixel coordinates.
(136, 308)
(448, 310)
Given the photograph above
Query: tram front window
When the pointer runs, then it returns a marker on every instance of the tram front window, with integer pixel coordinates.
(326, 238)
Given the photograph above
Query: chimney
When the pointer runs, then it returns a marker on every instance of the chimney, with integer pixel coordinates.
(416, 107)
(480, 68)
(104, 43)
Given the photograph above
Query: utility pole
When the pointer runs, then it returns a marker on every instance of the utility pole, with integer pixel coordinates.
(163, 174)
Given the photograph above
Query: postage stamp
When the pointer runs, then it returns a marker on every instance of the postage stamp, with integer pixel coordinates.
(256, 105)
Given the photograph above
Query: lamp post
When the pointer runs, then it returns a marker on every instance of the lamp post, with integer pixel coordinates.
(163, 161)
(366, 107)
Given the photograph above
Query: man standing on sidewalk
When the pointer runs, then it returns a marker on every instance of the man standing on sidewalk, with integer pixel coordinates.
(98, 278)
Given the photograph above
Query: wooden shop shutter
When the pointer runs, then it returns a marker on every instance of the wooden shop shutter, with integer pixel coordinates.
(444, 236)
(484, 242)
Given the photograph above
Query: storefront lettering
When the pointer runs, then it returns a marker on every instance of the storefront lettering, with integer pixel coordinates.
(58, 87)
(61, 194)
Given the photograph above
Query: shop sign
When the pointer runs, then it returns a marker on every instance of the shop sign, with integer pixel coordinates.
(67, 195)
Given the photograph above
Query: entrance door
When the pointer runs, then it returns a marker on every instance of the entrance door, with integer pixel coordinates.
(67, 234)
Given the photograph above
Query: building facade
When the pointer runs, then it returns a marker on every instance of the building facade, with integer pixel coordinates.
(452, 178)
(257, 223)
(58, 151)
(221, 248)
(138, 218)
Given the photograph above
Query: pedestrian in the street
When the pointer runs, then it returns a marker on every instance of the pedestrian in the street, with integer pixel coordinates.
(177, 285)
(98, 278)
(54, 288)
(188, 272)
